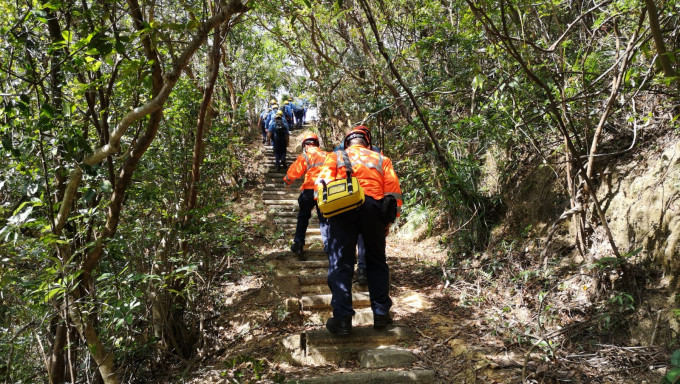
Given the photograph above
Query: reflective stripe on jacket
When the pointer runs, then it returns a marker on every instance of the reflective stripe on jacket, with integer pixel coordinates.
(374, 171)
(308, 164)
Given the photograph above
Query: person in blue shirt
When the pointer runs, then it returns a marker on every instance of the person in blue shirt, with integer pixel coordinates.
(288, 112)
(270, 117)
(360, 276)
(298, 111)
(279, 133)
(261, 124)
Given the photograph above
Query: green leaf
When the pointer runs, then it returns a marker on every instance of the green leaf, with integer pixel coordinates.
(51, 5)
(20, 218)
(675, 358)
(89, 195)
(67, 35)
(672, 375)
(120, 47)
(53, 293)
(106, 186)
(7, 143)
(47, 111)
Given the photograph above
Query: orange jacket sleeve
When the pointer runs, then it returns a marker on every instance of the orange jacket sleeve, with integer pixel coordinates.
(296, 170)
(391, 183)
(315, 158)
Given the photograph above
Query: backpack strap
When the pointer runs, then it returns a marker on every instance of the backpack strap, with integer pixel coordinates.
(349, 171)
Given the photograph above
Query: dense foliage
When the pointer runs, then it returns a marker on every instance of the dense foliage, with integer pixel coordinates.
(110, 123)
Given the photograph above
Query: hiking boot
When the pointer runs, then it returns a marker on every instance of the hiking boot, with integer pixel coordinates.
(381, 322)
(341, 327)
(361, 277)
(296, 248)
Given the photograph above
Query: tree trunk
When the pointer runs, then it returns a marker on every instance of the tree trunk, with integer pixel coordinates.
(203, 123)
(56, 362)
(655, 28)
(381, 47)
(162, 86)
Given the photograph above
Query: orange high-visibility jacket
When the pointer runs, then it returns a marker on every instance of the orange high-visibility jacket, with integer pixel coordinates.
(373, 170)
(308, 164)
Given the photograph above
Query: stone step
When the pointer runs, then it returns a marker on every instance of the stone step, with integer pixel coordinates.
(307, 264)
(284, 214)
(270, 155)
(275, 209)
(415, 376)
(314, 279)
(359, 300)
(313, 221)
(386, 357)
(283, 267)
(314, 241)
(280, 185)
(312, 252)
(322, 288)
(319, 316)
(311, 231)
(296, 274)
(361, 336)
(288, 217)
(276, 175)
(280, 192)
(320, 347)
(281, 200)
(270, 161)
(316, 289)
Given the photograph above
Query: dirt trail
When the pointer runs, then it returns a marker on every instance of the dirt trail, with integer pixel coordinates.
(462, 329)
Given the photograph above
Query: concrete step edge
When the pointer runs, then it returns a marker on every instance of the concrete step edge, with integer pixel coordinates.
(416, 376)
(324, 301)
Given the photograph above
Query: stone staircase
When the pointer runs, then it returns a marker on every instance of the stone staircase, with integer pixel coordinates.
(380, 356)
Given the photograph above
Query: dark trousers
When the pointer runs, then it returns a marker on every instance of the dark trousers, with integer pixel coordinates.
(307, 203)
(299, 118)
(361, 253)
(344, 230)
(279, 150)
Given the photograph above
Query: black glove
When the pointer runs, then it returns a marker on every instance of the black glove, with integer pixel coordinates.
(388, 210)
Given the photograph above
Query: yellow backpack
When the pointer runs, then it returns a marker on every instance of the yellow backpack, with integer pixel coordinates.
(340, 195)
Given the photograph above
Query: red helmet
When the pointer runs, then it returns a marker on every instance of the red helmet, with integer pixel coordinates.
(357, 134)
(367, 130)
(310, 138)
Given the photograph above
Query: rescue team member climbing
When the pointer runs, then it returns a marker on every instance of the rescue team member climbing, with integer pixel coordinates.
(360, 277)
(265, 119)
(261, 124)
(299, 112)
(308, 164)
(378, 180)
(279, 133)
(288, 112)
(270, 118)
